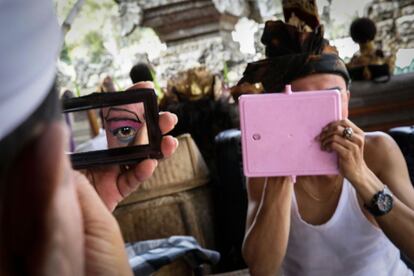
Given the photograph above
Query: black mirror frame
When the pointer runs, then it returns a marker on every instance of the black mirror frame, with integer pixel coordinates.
(125, 155)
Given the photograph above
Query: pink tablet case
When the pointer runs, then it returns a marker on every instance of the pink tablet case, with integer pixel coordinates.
(278, 132)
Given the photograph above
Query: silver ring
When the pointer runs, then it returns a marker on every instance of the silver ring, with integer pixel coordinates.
(347, 133)
(124, 168)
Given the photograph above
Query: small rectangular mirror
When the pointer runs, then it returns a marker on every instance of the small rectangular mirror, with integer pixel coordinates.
(113, 128)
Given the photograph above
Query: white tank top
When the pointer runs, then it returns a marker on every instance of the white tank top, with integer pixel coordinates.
(347, 244)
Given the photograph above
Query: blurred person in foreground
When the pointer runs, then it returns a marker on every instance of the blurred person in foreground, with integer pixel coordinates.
(53, 221)
(354, 223)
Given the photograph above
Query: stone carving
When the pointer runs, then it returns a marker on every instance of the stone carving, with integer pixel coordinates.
(197, 32)
(149, 4)
(259, 47)
(268, 8)
(131, 16)
(237, 8)
(405, 29)
(211, 52)
(380, 10)
(394, 21)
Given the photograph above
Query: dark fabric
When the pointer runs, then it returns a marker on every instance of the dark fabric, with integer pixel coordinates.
(147, 257)
(230, 197)
(306, 10)
(377, 73)
(203, 119)
(281, 39)
(404, 136)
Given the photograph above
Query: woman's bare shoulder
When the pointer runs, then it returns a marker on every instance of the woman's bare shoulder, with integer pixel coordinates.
(379, 149)
(378, 138)
(378, 141)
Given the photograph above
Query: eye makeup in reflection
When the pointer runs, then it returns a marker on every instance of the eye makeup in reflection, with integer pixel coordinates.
(124, 129)
(123, 125)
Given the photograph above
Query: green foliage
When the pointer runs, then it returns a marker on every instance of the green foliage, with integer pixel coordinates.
(225, 73)
(95, 34)
(157, 86)
(93, 5)
(94, 41)
(64, 54)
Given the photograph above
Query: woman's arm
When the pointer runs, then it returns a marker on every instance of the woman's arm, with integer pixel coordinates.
(267, 224)
(370, 162)
(389, 168)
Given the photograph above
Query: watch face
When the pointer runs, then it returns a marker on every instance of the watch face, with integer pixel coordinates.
(384, 202)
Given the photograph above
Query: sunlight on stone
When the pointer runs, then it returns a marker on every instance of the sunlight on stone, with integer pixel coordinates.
(346, 47)
(244, 35)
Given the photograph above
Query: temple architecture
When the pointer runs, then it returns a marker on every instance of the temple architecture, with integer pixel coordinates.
(394, 20)
(198, 32)
(195, 32)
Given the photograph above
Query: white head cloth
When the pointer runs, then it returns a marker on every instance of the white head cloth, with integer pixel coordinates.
(29, 44)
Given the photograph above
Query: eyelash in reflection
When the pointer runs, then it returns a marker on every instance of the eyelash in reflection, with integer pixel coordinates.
(124, 129)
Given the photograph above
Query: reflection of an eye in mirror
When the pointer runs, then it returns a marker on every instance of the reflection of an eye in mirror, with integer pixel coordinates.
(109, 127)
(125, 125)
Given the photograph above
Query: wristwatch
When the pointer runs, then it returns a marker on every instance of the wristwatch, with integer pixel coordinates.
(381, 203)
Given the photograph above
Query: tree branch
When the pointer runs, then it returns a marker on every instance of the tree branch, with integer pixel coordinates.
(67, 24)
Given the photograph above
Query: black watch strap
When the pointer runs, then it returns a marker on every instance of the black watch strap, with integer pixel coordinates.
(381, 203)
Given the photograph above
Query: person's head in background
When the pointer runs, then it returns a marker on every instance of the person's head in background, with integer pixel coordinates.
(296, 54)
(40, 220)
(141, 72)
(106, 85)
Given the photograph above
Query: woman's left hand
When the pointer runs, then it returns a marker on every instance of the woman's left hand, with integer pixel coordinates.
(350, 148)
(112, 184)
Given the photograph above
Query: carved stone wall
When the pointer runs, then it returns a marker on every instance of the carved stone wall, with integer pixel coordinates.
(180, 20)
(211, 51)
(196, 32)
(394, 19)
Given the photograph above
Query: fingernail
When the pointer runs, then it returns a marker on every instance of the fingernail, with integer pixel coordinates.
(175, 118)
(176, 142)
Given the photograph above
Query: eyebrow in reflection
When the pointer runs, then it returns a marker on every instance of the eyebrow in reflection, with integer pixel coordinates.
(120, 109)
(123, 119)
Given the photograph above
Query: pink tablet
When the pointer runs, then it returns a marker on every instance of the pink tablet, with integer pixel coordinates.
(278, 132)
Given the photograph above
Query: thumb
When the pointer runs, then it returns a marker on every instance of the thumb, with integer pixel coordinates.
(104, 247)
